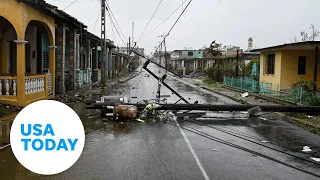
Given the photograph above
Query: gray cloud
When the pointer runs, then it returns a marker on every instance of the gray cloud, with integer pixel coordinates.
(230, 22)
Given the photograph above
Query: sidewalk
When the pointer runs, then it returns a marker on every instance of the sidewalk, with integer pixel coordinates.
(302, 120)
(83, 93)
(8, 112)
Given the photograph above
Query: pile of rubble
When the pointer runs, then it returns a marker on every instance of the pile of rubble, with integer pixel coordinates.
(71, 98)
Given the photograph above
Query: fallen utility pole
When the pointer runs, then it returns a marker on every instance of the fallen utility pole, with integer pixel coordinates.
(215, 107)
(155, 63)
(161, 80)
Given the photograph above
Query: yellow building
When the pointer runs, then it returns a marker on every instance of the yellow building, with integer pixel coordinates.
(285, 64)
(27, 56)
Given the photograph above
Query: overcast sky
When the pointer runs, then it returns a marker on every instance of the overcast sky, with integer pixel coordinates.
(230, 22)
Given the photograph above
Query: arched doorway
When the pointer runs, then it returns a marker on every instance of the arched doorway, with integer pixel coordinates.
(8, 52)
(37, 52)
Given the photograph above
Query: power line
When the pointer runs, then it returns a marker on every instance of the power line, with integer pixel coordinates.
(115, 27)
(90, 11)
(109, 9)
(94, 27)
(175, 23)
(112, 22)
(149, 21)
(70, 4)
(71, 1)
(145, 28)
(113, 34)
(168, 17)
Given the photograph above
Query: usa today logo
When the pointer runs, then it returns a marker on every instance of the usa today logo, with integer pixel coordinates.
(47, 137)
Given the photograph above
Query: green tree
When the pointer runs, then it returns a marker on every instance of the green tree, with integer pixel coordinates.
(214, 49)
(249, 66)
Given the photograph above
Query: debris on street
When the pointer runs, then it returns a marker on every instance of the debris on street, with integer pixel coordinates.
(316, 159)
(246, 94)
(306, 149)
(262, 118)
(167, 116)
(150, 113)
(139, 120)
(8, 109)
(71, 98)
(254, 111)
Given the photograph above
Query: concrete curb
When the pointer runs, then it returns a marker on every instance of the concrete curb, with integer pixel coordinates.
(261, 97)
(299, 122)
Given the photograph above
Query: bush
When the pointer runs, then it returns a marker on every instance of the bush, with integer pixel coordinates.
(249, 66)
(309, 96)
(217, 74)
(306, 85)
(208, 80)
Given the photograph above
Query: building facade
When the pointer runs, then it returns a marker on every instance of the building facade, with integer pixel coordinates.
(45, 52)
(283, 65)
(188, 60)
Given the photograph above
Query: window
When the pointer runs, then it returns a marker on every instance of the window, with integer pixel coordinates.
(302, 61)
(190, 53)
(271, 63)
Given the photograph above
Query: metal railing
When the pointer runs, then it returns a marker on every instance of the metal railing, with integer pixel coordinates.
(293, 95)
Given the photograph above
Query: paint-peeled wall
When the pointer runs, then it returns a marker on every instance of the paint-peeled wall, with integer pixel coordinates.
(195, 54)
(271, 78)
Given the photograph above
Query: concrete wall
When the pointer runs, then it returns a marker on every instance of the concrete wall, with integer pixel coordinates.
(9, 35)
(289, 62)
(271, 78)
(286, 68)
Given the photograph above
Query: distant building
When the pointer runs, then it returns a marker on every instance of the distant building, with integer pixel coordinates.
(160, 57)
(250, 44)
(188, 60)
(125, 50)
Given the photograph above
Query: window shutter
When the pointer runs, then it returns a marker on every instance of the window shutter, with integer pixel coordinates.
(46, 60)
(45, 52)
(265, 65)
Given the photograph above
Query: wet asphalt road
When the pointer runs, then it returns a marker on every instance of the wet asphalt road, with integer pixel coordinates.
(164, 151)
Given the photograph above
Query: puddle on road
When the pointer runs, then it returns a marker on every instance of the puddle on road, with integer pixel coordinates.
(96, 131)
